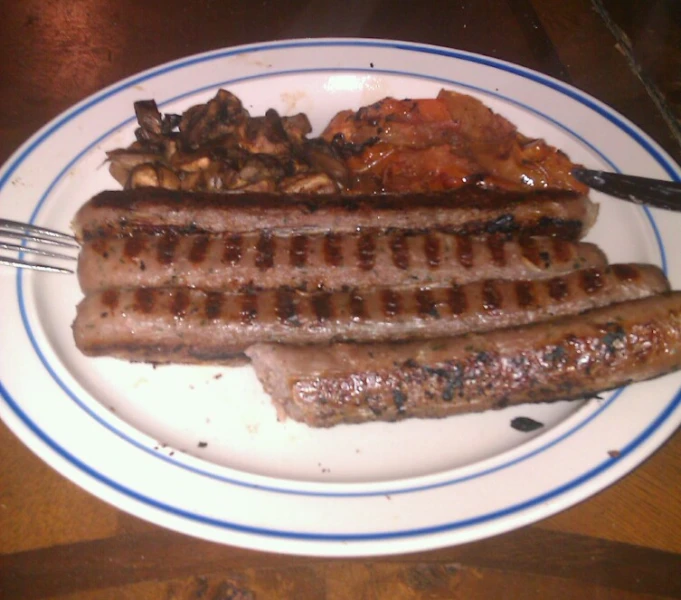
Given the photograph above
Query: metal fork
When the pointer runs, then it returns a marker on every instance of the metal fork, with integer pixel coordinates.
(33, 237)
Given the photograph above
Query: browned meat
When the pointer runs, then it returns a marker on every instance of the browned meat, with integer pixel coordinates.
(443, 143)
(308, 261)
(468, 210)
(568, 358)
(185, 325)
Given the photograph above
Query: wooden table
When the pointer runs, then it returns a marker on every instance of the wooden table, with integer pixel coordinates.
(57, 541)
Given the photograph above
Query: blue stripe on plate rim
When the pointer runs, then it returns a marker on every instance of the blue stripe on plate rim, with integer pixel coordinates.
(520, 71)
(374, 536)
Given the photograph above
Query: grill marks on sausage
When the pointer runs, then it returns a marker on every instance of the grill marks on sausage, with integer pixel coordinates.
(285, 307)
(357, 307)
(165, 251)
(558, 289)
(197, 252)
(524, 291)
(626, 272)
(391, 302)
(180, 303)
(432, 248)
(591, 280)
(145, 299)
(294, 306)
(456, 299)
(248, 312)
(194, 323)
(264, 258)
(134, 245)
(366, 251)
(495, 244)
(425, 300)
(400, 251)
(333, 252)
(322, 305)
(101, 247)
(368, 257)
(213, 305)
(298, 251)
(491, 298)
(464, 251)
(110, 299)
(561, 250)
(530, 250)
(232, 251)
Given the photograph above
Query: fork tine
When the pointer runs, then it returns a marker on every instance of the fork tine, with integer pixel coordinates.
(16, 225)
(32, 250)
(43, 235)
(38, 235)
(22, 264)
(37, 238)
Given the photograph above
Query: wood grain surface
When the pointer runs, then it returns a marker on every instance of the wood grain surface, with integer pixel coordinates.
(57, 541)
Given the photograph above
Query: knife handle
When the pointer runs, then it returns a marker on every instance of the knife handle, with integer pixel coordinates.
(640, 190)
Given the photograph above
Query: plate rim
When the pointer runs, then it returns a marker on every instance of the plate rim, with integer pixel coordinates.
(13, 162)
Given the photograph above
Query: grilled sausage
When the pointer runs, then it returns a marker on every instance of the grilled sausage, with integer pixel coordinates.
(568, 358)
(185, 325)
(468, 210)
(331, 261)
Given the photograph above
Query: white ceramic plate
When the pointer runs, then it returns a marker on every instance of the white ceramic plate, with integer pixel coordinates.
(199, 450)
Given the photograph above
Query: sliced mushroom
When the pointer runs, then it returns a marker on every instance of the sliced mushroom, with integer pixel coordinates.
(191, 162)
(219, 117)
(296, 127)
(149, 117)
(153, 175)
(261, 166)
(218, 146)
(315, 183)
(323, 157)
